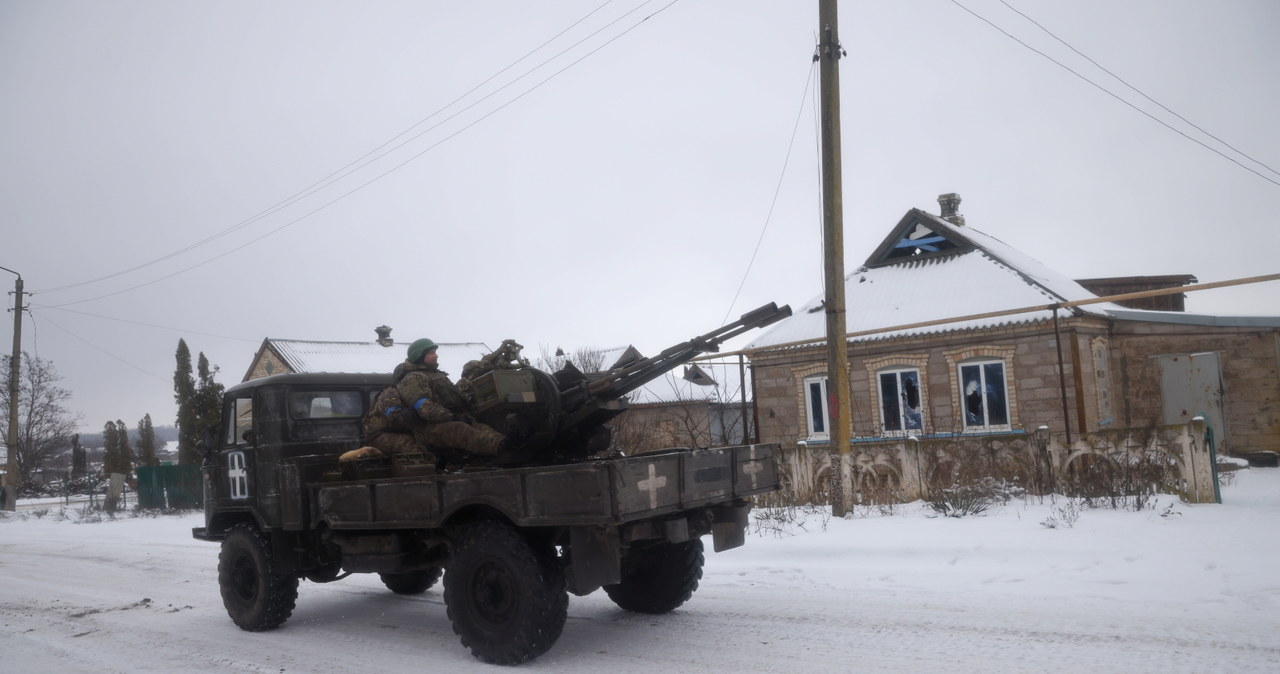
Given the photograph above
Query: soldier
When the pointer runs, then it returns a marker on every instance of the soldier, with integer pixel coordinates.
(423, 410)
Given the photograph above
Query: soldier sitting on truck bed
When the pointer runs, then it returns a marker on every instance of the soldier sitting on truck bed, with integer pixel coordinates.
(423, 411)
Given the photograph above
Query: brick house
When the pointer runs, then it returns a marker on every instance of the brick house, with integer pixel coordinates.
(1078, 371)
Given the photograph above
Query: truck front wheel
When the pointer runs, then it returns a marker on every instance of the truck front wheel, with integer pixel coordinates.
(659, 578)
(256, 598)
(504, 593)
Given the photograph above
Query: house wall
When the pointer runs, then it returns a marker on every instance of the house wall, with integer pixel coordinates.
(1032, 374)
(651, 426)
(267, 363)
(1250, 362)
(1112, 378)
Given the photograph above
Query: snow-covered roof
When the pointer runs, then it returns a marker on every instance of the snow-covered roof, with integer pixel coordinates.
(315, 356)
(971, 273)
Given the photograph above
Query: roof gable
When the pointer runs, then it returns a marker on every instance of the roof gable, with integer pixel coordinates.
(959, 271)
(918, 236)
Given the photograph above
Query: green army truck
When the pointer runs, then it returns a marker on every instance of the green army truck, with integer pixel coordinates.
(511, 539)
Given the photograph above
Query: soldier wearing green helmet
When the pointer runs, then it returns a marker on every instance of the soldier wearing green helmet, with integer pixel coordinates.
(423, 411)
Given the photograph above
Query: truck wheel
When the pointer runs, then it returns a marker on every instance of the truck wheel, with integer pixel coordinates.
(505, 594)
(257, 599)
(411, 582)
(659, 578)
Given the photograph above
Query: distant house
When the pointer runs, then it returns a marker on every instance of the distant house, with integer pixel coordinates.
(1075, 371)
(695, 405)
(286, 356)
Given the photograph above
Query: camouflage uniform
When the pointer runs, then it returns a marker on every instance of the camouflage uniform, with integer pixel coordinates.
(437, 414)
(389, 426)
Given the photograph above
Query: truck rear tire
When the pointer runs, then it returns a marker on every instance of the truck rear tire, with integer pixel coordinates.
(256, 598)
(411, 582)
(659, 578)
(504, 594)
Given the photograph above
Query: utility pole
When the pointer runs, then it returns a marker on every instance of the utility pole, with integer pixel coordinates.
(829, 53)
(11, 442)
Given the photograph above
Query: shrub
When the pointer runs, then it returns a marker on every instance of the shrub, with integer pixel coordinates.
(974, 498)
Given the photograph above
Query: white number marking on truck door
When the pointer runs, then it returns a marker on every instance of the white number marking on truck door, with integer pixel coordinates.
(652, 485)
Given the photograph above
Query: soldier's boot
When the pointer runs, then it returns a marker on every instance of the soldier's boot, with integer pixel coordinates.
(486, 441)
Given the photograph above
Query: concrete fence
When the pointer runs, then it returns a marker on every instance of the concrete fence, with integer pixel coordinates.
(1175, 458)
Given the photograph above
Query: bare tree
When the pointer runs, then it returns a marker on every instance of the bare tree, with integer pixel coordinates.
(45, 425)
(587, 359)
(676, 413)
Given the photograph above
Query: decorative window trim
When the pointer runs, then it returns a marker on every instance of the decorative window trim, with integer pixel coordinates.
(1100, 348)
(803, 376)
(883, 364)
(957, 357)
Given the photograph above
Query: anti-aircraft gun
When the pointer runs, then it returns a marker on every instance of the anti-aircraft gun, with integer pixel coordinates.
(552, 418)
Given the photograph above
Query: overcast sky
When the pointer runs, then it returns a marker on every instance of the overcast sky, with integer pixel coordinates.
(175, 169)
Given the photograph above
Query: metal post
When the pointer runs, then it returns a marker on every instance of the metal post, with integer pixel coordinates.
(11, 442)
(829, 53)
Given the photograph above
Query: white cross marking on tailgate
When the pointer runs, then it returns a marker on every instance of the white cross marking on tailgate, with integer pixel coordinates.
(652, 485)
(753, 470)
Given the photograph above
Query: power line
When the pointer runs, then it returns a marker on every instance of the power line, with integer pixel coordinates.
(149, 325)
(107, 353)
(1103, 89)
(808, 79)
(379, 152)
(1139, 91)
(375, 178)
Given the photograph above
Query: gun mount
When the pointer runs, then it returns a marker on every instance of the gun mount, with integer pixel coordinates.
(552, 418)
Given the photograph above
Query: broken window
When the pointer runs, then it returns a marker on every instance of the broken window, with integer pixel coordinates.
(817, 410)
(985, 398)
(919, 240)
(901, 408)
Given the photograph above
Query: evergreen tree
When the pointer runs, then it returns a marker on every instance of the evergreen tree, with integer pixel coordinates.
(208, 397)
(199, 403)
(184, 394)
(147, 443)
(124, 451)
(111, 443)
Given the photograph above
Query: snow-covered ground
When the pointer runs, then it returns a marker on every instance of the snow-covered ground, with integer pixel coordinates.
(1181, 588)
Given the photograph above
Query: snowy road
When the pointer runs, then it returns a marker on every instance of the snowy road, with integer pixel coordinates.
(1193, 590)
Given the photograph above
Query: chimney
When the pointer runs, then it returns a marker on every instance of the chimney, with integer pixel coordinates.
(950, 204)
(384, 335)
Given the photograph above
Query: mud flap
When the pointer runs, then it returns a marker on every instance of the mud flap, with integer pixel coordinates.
(729, 525)
(597, 559)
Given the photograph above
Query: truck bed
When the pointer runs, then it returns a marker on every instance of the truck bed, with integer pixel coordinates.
(596, 492)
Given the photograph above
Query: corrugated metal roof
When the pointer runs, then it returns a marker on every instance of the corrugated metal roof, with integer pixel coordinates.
(992, 277)
(314, 356)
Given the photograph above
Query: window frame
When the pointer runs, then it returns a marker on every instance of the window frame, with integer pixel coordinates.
(812, 433)
(903, 430)
(982, 366)
(239, 415)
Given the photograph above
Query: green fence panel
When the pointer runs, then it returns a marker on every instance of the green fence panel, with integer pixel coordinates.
(170, 487)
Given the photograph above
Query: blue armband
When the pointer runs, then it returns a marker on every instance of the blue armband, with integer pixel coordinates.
(417, 406)
(391, 410)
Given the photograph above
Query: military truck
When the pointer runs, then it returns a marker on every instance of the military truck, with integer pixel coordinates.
(511, 540)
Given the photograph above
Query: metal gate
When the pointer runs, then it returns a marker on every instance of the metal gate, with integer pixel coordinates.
(1191, 386)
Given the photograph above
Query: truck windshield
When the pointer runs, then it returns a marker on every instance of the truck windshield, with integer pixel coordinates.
(325, 404)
